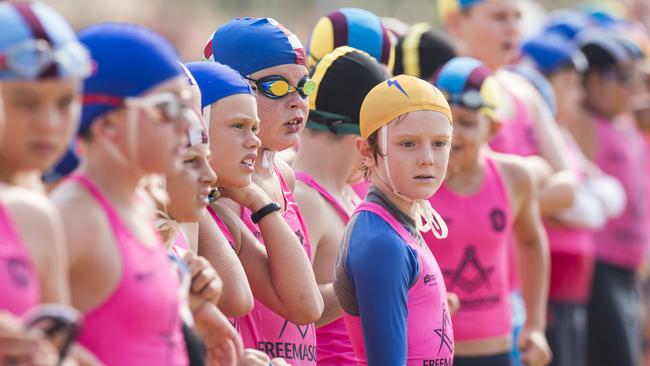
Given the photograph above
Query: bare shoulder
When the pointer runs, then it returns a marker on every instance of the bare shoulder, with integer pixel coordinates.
(36, 221)
(82, 216)
(287, 173)
(308, 198)
(26, 204)
(224, 210)
(516, 173)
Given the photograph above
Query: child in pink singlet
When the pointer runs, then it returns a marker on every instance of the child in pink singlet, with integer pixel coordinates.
(43, 65)
(488, 199)
(270, 239)
(133, 124)
(610, 138)
(324, 194)
(387, 281)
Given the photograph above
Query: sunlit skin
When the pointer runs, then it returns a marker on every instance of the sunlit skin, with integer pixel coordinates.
(471, 131)
(234, 126)
(607, 95)
(189, 189)
(418, 154)
(487, 31)
(276, 132)
(280, 123)
(465, 177)
(569, 94)
(157, 149)
(42, 117)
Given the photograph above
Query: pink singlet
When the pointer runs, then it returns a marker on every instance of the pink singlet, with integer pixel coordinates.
(139, 323)
(572, 250)
(517, 135)
(621, 153)
(474, 257)
(18, 277)
(334, 347)
(262, 328)
(224, 229)
(430, 333)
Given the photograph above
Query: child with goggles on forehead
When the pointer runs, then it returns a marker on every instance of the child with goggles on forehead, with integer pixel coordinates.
(41, 71)
(270, 56)
(134, 124)
(487, 198)
(387, 281)
(324, 193)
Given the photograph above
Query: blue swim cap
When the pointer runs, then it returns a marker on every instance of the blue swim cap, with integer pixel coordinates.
(566, 23)
(130, 60)
(550, 52)
(253, 44)
(217, 81)
(36, 42)
(539, 81)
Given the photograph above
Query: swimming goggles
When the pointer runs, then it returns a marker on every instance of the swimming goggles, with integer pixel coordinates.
(276, 86)
(31, 58)
(470, 99)
(161, 107)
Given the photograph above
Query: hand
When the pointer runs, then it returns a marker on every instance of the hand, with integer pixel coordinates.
(79, 356)
(535, 351)
(279, 362)
(253, 357)
(252, 196)
(223, 344)
(206, 284)
(453, 302)
(19, 346)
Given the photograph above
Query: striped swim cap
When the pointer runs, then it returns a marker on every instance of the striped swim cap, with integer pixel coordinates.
(422, 51)
(249, 45)
(468, 83)
(446, 7)
(343, 79)
(36, 42)
(352, 27)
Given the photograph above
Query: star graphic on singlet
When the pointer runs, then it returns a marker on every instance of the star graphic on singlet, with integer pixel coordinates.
(301, 329)
(445, 340)
(468, 284)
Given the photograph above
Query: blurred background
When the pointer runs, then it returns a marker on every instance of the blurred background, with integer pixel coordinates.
(189, 23)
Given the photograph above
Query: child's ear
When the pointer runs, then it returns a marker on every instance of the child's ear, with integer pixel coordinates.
(364, 149)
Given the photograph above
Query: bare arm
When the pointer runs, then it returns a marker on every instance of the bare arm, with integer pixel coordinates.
(317, 216)
(558, 193)
(533, 262)
(279, 272)
(236, 298)
(46, 244)
(548, 135)
(532, 243)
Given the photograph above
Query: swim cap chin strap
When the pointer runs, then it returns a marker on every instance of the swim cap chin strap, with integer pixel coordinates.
(421, 209)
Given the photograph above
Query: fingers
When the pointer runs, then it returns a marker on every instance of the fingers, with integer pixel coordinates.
(279, 362)
(205, 280)
(252, 357)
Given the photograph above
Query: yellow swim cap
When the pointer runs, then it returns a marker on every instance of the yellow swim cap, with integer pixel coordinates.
(397, 96)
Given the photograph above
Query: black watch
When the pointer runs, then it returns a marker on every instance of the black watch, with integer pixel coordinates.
(270, 208)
